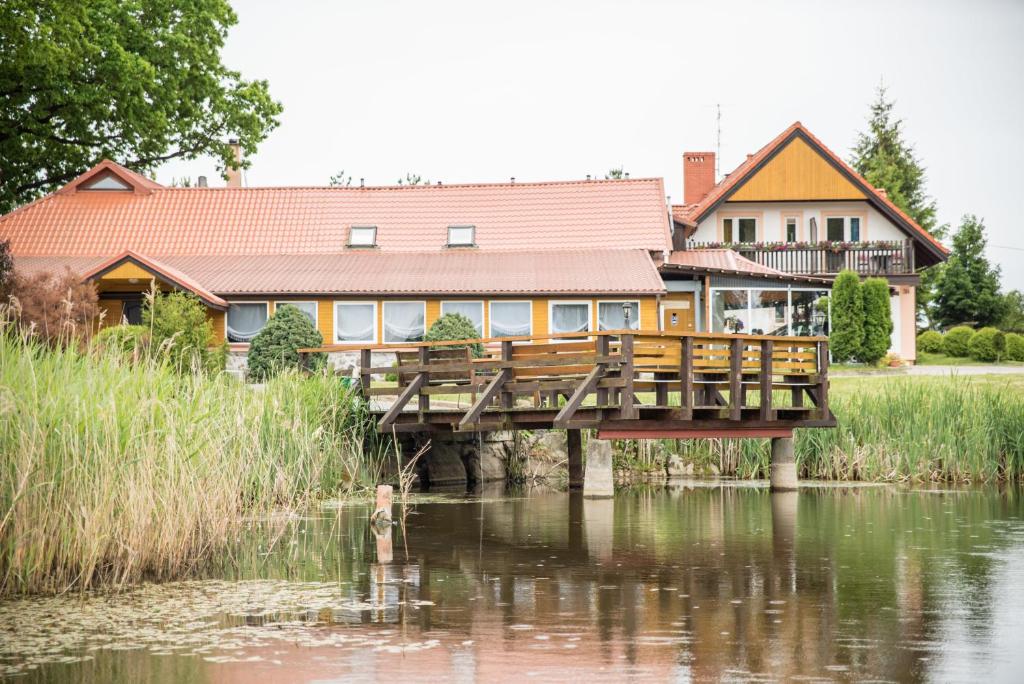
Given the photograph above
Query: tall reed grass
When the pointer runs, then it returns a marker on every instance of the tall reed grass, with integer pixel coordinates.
(956, 429)
(113, 472)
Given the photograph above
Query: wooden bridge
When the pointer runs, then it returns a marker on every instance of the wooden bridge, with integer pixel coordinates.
(626, 384)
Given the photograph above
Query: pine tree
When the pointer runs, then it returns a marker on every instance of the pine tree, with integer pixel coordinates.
(968, 291)
(877, 320)
(846, 338)
(888, 162)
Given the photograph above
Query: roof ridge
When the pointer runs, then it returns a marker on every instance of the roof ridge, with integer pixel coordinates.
(421, 187)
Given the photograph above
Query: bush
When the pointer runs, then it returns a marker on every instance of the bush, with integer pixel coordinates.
(846, 338)
(877, 320)
(930, 342)
(455, 326)
(276, 346)
(180, 331)
(987, 344)
(1014, 347)
(56, 309)
(128, 340)
(956, 340)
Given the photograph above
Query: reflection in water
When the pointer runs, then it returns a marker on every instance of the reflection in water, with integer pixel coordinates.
(686, 584)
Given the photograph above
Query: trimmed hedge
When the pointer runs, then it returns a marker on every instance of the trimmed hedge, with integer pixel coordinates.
(987, 344)
(956, 340)
(455, 326)
(930, 342)
(1014, 347)
(877, 320)
(846, 339)
(276, 346)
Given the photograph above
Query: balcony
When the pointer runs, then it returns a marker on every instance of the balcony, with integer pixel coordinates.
(877, 258)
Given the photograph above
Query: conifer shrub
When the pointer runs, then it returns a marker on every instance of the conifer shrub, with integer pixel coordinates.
(930, 342)
(955, 341)
(455, 326)
(846, 338)
(877, 320)
(276, 346)
(988, 344)
(1014, 347)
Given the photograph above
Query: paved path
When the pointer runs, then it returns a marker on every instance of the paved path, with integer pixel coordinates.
(933, 370)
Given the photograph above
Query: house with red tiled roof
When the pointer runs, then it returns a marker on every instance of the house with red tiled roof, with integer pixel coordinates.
(797, 208)
(753, 253)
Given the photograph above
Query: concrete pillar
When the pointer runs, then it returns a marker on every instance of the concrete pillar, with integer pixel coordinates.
(783, 477)
(599, 481)
(574, 444)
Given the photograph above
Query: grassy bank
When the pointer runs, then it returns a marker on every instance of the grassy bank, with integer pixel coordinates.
(112, 473)
(957, 429)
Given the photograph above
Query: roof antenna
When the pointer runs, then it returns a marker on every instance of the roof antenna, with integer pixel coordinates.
(588, 176)
(513, 180)
(361, 182)
(718, 140)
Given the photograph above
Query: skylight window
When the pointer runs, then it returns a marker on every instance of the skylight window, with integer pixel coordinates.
(461, 236)
(362, 236)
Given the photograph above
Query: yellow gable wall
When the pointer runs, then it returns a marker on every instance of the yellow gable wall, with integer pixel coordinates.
(796, 173)
(127, 270)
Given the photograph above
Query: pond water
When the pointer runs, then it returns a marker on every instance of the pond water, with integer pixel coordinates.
(686, 583)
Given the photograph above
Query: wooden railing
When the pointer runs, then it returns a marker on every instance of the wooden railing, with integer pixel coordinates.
(571, 381)
(868, 258)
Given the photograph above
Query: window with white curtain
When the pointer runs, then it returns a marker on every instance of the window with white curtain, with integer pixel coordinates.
(404, 321)
(570, 317)
(511, 319)
(474, 311)
(245, 320)
(612, 315)
(355, 322)
(308, 308)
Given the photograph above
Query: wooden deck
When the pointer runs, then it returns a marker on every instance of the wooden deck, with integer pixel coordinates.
(626, 384)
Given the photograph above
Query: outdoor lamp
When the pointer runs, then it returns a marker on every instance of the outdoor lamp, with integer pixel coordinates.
(625, 313)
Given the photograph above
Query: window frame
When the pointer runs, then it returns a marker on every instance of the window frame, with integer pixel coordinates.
(639, 311)
(384, 316)
(790, 289)
(552, 303)
(735, 217)
(266, 305)
(483, 320)
(351, 231)
(338, 303)
(490, 314)
(316, 308)
(462, 226)
(847, 217)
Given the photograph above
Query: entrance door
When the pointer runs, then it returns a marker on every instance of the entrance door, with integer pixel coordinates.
(677, 315)
(131, 310)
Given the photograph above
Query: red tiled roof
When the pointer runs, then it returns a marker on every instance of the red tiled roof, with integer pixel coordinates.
(728, 262)
(162, 222)
(454, 271)
(695, 212)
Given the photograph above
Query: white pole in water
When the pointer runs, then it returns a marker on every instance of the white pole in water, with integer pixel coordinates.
(783, 473)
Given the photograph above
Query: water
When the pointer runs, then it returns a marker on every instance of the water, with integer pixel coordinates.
(683, 584)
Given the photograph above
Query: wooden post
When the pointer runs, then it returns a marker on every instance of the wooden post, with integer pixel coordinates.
(507, 399)
(423, 399)
(574, 445)
(822, 349)
(602, 350)
(303, 362)
(365, 377)
(627, 409)
(686, 377)
(767, 349)
(735, 378)
(382, 510)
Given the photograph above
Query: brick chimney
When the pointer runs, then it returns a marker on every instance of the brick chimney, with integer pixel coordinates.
(235, 172)
(698, 175)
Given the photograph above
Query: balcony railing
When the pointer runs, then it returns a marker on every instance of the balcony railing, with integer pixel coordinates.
(825, 258)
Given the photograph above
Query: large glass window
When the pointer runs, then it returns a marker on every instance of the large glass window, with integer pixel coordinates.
(570, 317)
(768, 312)
(355, 322)
(245, 320)
(612, 315)
(404, 321)
(474, 311)
(834, 227)
(511, 319)
(308, 308)
(730, 311)
(809, 312)
(739, 230)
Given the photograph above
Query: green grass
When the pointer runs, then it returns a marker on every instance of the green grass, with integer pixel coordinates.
(112, 473)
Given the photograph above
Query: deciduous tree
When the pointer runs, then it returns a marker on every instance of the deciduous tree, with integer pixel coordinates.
(137, 82)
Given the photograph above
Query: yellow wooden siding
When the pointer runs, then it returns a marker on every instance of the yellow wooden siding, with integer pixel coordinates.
(325, 319)
(649, 314)
(218, 319)
(433, 311)
(540, 316)
(125, 271)
(112, 311)
(797, 173)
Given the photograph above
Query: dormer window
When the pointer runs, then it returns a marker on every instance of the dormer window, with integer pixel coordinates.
(362, 236)
(461, 236)
(105, 181)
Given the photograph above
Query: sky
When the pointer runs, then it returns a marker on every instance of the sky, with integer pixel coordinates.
(483, 91)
